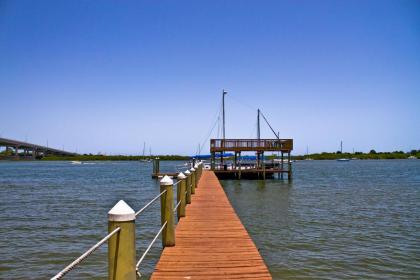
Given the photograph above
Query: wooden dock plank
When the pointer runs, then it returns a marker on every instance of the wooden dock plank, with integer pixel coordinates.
(211, 242)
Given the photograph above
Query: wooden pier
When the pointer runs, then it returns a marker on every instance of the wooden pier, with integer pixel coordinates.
(211, 242)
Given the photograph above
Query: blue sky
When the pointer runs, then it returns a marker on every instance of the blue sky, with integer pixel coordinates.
(107, 76)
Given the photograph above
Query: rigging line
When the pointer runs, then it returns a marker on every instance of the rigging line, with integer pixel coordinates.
(277, 136)
(242, 103)
(216, 117)
(209, 134)
(218, 127)
(253, 129)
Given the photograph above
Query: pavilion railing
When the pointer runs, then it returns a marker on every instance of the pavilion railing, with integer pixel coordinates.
(219, 145)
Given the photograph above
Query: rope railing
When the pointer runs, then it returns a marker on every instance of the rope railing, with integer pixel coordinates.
(150, 203)
(84, 255)
(148, 248)
(177, 205)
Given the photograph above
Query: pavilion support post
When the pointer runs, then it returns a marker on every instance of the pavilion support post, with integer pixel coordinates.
(263, 164)
(282, 164)
(167, 211)
(289, 176)
(122, 245)
(213, 161)
(240, 167)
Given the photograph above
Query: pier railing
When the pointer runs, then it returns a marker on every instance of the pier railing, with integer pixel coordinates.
(121, 238)
(221, 145)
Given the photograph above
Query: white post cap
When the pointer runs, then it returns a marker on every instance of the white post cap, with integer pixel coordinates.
(192, 169)
(181, 176)
(187, 172)
(121, 212)
(166, 181)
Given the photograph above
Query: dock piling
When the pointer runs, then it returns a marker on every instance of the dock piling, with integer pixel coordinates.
(122, 246)
(193, 180)
(181, 196)
(156, 165)
(188, 186)
(167, 211)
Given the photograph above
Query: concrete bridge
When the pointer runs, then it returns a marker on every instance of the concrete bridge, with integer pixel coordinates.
(21, 149)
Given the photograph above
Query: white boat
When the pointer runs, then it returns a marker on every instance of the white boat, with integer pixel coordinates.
(341, 151)
(76, 162)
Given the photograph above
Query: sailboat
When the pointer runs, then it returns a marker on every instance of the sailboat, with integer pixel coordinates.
(143, 156)
(341, 150)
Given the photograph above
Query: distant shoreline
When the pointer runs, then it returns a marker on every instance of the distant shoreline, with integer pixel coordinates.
(114, 157)
(372, 155)
(358, 155)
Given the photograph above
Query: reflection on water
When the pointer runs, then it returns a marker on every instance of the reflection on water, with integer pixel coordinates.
(354, 220)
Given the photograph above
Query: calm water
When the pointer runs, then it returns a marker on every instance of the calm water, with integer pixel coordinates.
(336, 220)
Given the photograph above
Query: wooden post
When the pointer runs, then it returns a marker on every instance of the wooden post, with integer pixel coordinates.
(193, 180)
(240, 166)
(263, 165)
(289, 177)
(180, 195)
(156, 166)
(167, 211)
(188, 182)
(197, 175)
(122, 245)
(282, 158)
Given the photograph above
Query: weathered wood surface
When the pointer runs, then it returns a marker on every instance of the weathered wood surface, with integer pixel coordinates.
(211, 242)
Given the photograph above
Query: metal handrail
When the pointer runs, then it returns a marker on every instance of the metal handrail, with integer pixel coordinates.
(148, 248)
(148, 204)
(85, 255)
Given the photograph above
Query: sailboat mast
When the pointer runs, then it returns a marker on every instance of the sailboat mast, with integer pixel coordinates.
(144, 148)
(258, 125)
(223, 112)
